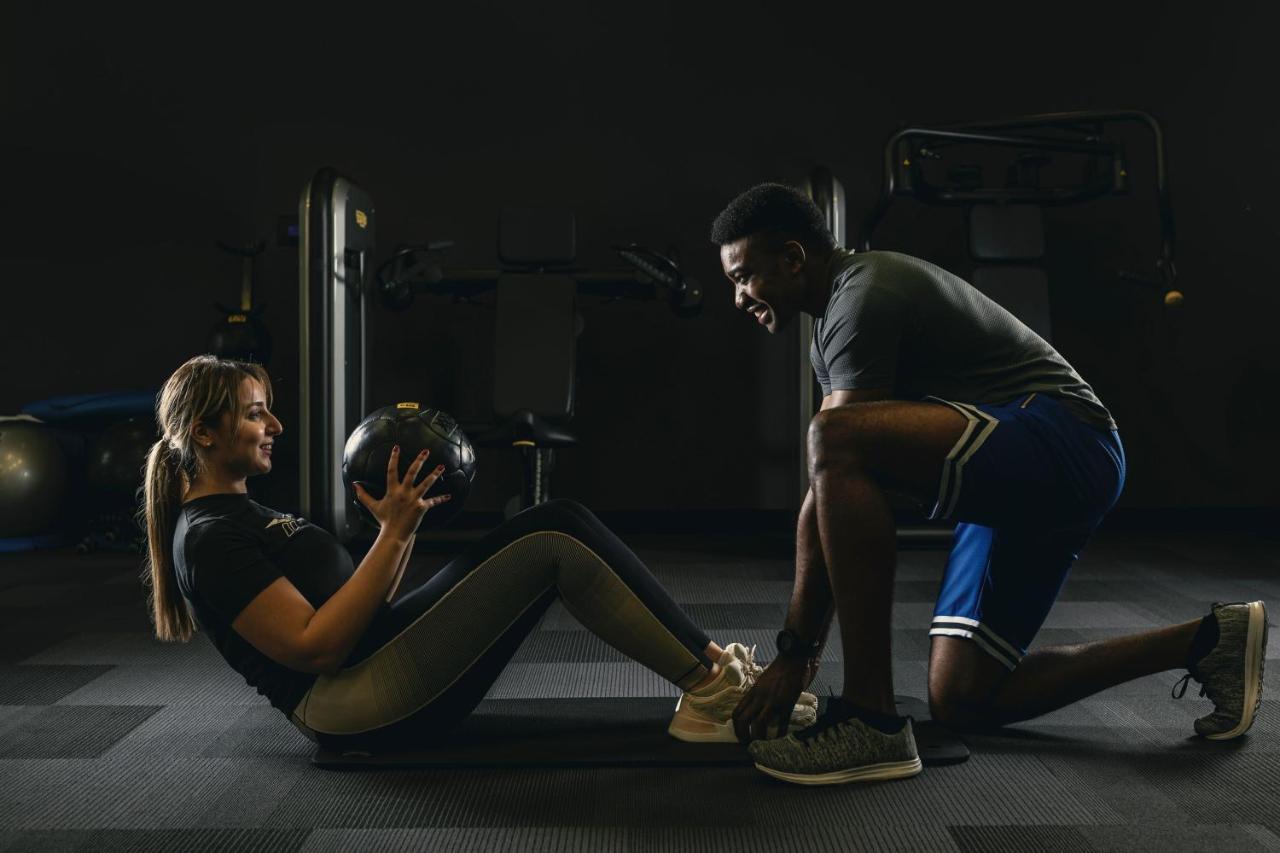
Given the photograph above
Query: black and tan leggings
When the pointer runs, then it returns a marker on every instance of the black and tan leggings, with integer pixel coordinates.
(429, 658)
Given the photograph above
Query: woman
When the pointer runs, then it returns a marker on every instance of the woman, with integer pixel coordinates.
(351, 662)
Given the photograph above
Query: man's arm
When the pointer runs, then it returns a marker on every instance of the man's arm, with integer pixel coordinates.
(812, 606)
(809, 614)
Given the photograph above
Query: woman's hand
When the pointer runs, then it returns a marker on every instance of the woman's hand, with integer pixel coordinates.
(400, 510)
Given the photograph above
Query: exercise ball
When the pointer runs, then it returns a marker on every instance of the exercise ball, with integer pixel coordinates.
(33, 479)
(117, 458)
(368, 451)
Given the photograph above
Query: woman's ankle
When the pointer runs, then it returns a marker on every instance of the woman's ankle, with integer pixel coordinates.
(710, 677)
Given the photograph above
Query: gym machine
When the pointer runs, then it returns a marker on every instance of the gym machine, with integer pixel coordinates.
(828, 194)
(335, 252)
(536, 300)
(1006, 221)
(536, 289)
(240, 333)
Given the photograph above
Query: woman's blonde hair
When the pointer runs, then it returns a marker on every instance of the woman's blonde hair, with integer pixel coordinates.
(202, 391)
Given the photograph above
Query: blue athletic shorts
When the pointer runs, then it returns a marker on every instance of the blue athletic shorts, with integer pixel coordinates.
(1028, 483)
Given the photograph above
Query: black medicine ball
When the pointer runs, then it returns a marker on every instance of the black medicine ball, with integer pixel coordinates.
(368, 450)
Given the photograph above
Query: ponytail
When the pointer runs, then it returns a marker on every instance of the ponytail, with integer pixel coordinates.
(161, 504)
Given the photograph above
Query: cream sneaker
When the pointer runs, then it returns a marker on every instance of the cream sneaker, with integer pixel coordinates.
(706, 715)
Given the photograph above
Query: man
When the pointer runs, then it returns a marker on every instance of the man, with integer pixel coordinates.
(933, 391)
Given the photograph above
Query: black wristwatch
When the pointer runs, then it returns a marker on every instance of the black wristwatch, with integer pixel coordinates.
(791, 646)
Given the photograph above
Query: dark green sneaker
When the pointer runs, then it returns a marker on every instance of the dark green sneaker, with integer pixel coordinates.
(1230, 673)
(838, 749)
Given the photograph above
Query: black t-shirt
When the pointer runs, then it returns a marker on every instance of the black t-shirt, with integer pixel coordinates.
(226, 550)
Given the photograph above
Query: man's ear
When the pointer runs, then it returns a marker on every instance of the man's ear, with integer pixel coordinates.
(793, 256)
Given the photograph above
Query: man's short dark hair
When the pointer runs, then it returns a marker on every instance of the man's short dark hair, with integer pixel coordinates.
(777, 210)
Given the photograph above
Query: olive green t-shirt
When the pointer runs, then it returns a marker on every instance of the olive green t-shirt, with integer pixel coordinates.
(900, 323)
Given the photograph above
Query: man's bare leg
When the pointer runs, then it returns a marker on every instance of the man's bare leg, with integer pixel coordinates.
(858, 454)
(970, 689)
(859, 543)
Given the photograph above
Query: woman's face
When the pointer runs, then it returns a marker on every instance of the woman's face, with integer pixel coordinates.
(244, 449)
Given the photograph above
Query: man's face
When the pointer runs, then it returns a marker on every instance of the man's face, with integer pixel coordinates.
(767, 282)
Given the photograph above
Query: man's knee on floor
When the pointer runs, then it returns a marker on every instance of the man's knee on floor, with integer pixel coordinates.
(960, 707)
(963, 683)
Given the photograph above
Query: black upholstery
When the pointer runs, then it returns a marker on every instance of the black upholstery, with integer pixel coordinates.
(1005, 242)
(1006, 232)
(535, 345)
(537, 237)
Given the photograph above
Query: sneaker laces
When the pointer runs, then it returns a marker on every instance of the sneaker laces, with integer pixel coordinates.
(1180, 687)
(750, 668)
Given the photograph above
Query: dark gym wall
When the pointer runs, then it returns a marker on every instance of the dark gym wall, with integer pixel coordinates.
(132, 145)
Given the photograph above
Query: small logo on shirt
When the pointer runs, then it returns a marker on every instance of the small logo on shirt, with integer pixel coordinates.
(286, 523)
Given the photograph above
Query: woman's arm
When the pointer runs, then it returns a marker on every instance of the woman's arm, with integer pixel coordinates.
(283, 625)
(404, 563)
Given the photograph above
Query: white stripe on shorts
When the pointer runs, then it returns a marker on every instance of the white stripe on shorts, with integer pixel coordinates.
(988, 640)
(978, 430)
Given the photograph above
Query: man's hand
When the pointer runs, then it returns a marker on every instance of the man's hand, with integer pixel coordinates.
(772, 698)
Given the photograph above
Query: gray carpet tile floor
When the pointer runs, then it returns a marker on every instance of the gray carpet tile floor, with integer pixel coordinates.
(110, 740)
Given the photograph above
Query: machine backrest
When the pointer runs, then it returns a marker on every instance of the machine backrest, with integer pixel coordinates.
(537, 237)
(535, 345)
(1006, 242)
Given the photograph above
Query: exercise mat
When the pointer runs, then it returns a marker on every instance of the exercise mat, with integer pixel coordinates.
(615, 732)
